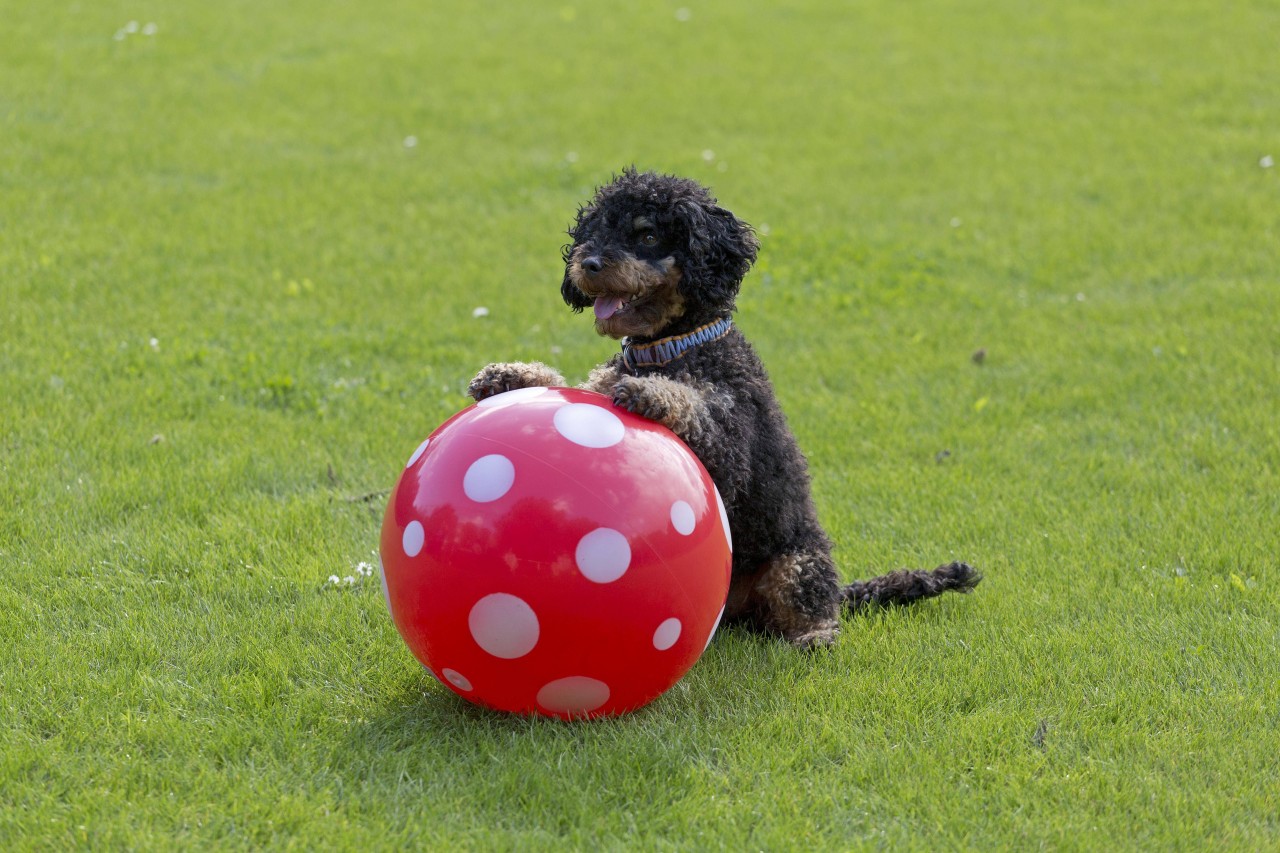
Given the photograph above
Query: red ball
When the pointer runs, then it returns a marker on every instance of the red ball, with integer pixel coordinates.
(547, 552)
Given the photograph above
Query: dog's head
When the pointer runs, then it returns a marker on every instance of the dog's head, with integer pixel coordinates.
(654, 253)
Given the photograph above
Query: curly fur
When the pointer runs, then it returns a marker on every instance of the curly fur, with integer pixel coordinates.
(657, 257)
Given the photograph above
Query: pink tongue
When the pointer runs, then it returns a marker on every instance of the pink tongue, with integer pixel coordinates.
(607, 306)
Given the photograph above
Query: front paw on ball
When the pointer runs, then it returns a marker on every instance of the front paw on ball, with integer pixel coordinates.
(486, 383)
(638, 397)
(502, 377)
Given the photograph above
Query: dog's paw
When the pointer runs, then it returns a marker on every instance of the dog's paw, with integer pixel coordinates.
(822, 636)
(644, 398)
(508, 376)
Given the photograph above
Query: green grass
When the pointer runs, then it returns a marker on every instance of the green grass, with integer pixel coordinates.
(232, 300)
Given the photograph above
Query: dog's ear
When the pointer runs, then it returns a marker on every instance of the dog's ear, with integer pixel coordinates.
(721, 249)
(573, 297)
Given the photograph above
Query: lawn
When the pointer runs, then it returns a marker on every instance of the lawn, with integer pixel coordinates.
(243, 249)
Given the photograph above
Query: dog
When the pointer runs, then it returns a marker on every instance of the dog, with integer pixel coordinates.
(660, 264)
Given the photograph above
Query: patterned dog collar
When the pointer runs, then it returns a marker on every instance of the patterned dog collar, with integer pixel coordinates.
(667, 350)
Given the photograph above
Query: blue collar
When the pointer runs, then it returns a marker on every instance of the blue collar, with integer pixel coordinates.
(667, 350)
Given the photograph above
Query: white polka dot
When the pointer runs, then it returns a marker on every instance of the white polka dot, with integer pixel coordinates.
(503, 625)
(603, 555)
(724, 518)
(682, 518)
(713, 630)
(588, 425)
(456, 678)
(576, 694)
(413, 538)
(489, 478)
(667, 634)
(417, 454)
(506, 398)
(386, 593)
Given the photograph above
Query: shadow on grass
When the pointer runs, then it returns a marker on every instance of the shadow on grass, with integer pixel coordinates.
(741, 682)
(746, 691)
(747, 703)
(740, 675)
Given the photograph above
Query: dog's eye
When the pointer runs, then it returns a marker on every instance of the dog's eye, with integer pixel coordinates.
(648, 238)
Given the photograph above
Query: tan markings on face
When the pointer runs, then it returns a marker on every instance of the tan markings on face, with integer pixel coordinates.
(642, 223)
(650, 292)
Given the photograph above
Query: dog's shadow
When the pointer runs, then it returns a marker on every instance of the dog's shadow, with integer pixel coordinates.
(421, 723)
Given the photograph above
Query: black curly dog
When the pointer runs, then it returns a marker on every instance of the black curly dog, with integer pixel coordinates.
(661, 263)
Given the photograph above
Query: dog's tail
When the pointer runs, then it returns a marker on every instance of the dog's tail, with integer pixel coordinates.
(909, 586)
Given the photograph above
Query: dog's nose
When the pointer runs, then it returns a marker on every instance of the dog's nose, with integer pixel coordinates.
(592, 265)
